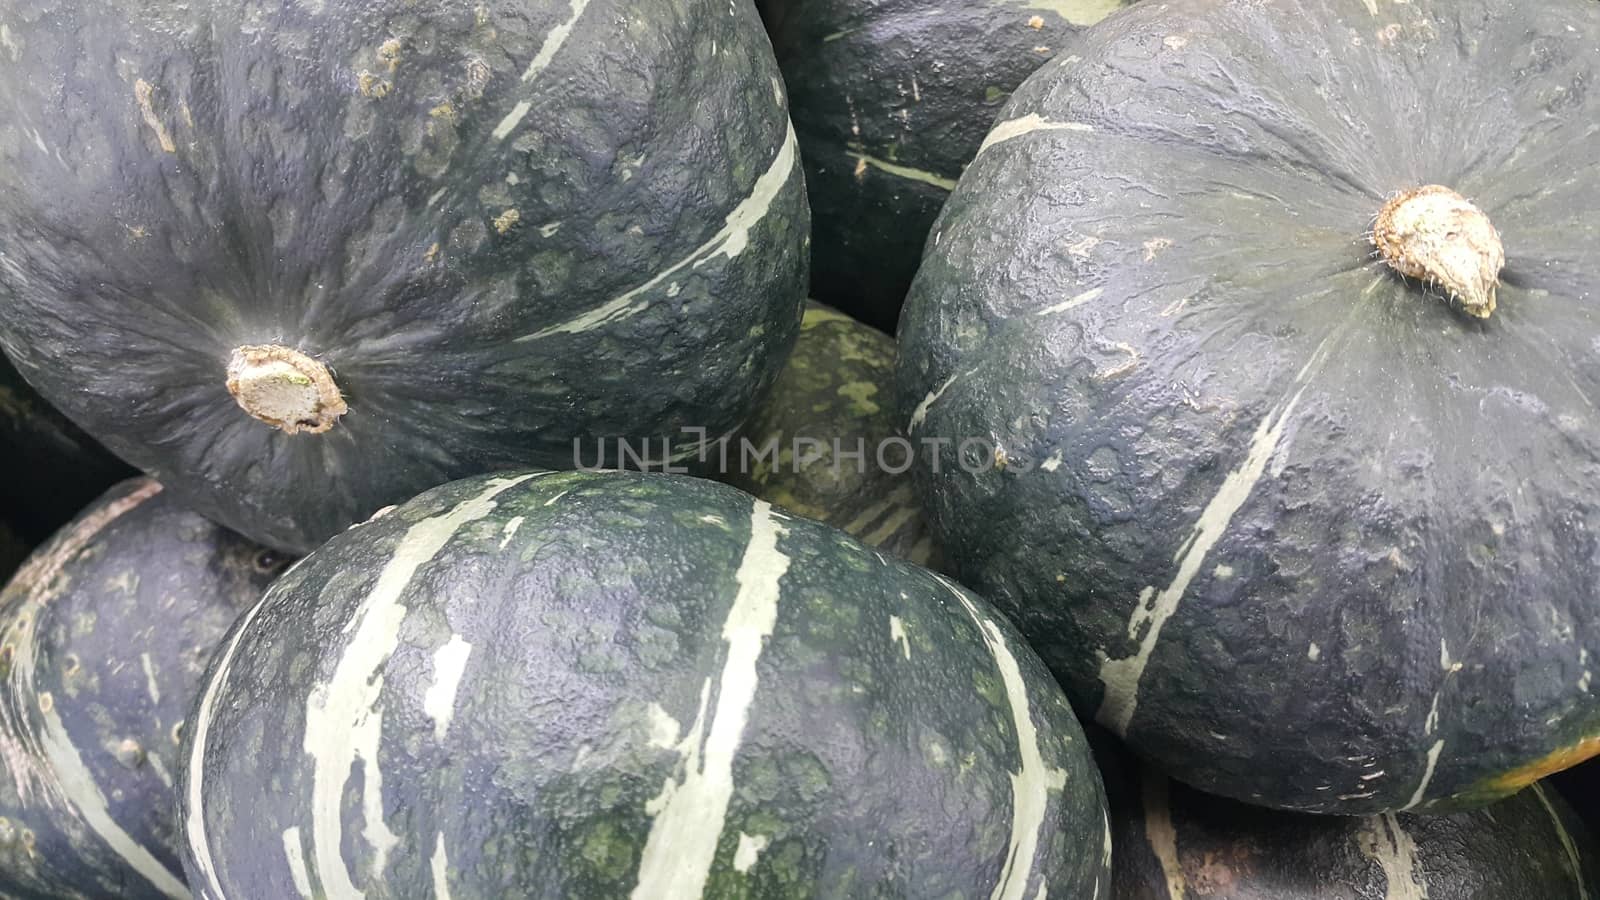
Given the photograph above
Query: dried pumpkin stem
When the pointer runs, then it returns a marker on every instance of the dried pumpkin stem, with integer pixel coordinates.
(1434, 234)
(284, 388)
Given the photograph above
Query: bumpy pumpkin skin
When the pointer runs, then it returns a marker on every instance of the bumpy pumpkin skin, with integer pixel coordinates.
(891, 99)
(1172, 841)
(579, 685)
(838, 385)
(501, 227)
(1269, 510)
(58, 469)
(105, 633)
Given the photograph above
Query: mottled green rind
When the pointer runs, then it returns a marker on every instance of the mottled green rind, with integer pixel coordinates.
(911, 84)
(837, 386)
(135, 576)
(1530, 846)
(55, 468)
(1149, 287)
(872, 773)
(349, 178)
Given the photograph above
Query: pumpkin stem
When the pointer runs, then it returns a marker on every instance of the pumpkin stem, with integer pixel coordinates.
(284, 388)
(1437, 235)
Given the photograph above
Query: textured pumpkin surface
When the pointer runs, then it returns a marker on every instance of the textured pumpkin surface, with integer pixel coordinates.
(577, 685)
(835, 394)
(1267, 509)
(56, 468)
(891, 99)
(104, 635)
(1173, 842)
(500, 228)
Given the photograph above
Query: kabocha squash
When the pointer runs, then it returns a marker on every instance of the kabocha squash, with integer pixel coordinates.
(104, 635)
(891, 99)
(1278, 513)
(827, 444)
(581, 685)
(1172, 841)
(302, 261)
(56, 468)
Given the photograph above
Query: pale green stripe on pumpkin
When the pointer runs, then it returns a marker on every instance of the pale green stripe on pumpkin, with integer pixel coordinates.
(1151, 610)
(1028, 124)
(547, 52)
(295, 854)
(343, 722)
(906, 172)
(1567, 843)
(1034, 781)
(439, 864)
(1382, 840)
(90, 806)
(1159, 832)
(689, 815)
(730, 241)
(1077, 12)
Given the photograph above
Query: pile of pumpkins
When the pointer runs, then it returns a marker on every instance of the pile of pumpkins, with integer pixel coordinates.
(439, 483)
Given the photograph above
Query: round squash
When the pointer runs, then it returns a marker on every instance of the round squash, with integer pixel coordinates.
(827, 444)
(579, 685)
(891, 99)
(1277, 323)
(1173, 841)
(303, 260)
(55, 468)
(104, 635)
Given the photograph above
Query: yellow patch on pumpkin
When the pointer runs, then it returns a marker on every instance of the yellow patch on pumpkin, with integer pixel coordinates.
(1564, 758)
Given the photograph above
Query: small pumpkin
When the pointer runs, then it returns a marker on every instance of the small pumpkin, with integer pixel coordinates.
(1275, 508)
(104, 635)
(56, 468)
(301, 261)
(624, 685)
(827, 444)
(891, 99)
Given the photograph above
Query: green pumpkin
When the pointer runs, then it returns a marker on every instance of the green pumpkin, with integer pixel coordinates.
(302, 260)
(562, 685)
(835, 393)
(104, 635)
(1270, 508)
(1174, 842)
(891, 99)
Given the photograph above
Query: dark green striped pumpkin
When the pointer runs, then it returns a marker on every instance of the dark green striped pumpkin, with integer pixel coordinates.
(891, 99)
(1175, 843)
(827, 443)
(302, 259)
(104, 635)
(622, 685)
(1269, 507)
